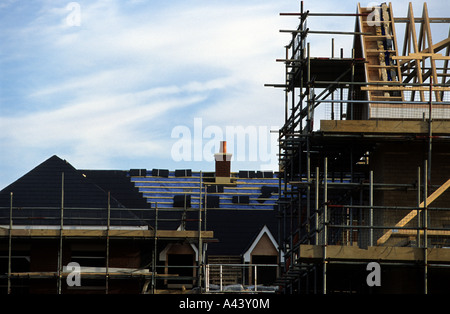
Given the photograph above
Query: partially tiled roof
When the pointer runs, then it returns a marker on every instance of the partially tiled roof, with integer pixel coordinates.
(236, 212)
(255, 190)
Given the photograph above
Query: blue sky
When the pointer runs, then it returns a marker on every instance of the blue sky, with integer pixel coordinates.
(108, 93)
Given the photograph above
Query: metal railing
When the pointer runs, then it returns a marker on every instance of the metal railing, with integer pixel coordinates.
(240, 272)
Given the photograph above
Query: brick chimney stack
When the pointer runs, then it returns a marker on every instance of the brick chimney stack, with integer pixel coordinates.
(223, 164)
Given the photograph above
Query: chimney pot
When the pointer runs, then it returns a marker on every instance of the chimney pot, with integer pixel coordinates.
(223, 147)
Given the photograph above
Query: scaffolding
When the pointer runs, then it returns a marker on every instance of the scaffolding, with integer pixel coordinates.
(368, 183)
(101, 228)
(167, 235)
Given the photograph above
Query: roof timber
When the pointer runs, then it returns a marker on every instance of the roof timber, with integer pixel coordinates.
(378, 253)
(88, 233)
(383, 126)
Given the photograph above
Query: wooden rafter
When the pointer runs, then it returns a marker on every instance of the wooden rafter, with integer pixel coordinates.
(418, 48)
(444, 72)
(427, 32)
(412, 36)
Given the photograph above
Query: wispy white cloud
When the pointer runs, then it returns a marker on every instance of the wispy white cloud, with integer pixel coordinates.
(108, 92)
(114, 87)
(103, 122)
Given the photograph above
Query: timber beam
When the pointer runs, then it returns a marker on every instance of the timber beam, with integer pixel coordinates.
(383, 126)
(86, 233)
(372, 253)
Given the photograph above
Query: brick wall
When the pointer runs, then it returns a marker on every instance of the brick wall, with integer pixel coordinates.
(398, 163)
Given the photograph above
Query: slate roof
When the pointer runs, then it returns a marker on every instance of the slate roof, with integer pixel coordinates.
(118, 183)
(241, 210)
(237, 230)
(37, 197)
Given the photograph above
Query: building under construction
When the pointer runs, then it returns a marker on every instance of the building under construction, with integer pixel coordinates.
(359, 204)
(369, 181)
(75, 231)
